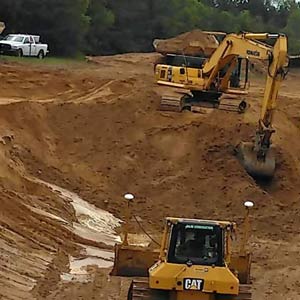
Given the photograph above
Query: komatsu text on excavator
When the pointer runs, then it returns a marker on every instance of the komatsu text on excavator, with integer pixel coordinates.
(207, 80)
(195, 262)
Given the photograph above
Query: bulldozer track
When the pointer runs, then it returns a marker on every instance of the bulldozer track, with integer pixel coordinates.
(139, 290)
(245, 292)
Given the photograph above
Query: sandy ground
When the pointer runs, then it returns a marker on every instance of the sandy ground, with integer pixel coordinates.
(94, 129)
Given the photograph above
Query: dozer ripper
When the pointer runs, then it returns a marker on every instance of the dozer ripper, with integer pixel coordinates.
(220, 74)
(195, 262)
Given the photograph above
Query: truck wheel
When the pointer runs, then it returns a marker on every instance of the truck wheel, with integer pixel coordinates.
(41, 54)
(20, 53)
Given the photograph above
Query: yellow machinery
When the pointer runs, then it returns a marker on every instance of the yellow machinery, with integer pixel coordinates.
(195, 262)
(216, 75)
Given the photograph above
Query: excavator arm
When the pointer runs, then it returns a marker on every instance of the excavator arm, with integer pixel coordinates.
(258, 158)
(233, 46)
(276, 74)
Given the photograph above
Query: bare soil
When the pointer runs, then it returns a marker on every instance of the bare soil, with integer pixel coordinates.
(94, 129)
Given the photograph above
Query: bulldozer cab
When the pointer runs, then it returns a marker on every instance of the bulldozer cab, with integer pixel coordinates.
(193, 257)
(205, 243)
(194, 261)
(196, 243)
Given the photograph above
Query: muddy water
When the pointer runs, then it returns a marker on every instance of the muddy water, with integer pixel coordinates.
(79, 267)
(93, 224)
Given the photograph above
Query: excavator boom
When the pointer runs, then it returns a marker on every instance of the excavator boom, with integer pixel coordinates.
(258, 157)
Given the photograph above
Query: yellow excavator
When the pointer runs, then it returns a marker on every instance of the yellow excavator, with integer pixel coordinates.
(195, 261)
(215, 76)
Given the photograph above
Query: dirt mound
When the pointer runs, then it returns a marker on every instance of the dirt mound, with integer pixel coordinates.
(194, 43)
(100, 135)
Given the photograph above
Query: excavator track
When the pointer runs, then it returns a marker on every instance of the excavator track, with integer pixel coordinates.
(174, 102)
(177, 102)
(139, 290)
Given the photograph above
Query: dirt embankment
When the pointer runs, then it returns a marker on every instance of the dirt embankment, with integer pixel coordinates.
(94, 129)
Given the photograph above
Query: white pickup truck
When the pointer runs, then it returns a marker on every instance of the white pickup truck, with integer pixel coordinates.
(23, 45)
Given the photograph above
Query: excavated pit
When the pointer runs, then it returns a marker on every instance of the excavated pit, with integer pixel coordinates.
(92, 131)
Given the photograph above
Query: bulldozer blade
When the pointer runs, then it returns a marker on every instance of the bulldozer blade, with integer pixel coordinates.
(133, 261)
(241, 264)
(255, 167)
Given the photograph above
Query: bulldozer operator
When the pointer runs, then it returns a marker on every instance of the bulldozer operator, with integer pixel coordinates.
(197, 246)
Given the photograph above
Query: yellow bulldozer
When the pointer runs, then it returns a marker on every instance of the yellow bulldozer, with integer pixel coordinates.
(195, 261)
(198, 81)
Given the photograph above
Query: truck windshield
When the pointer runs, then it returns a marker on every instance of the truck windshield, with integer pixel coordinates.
(14, 38)
(199, 244)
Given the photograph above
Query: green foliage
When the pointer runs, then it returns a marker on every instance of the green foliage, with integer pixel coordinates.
(116, 26)
(293, 32)
(63, 24)
(101, 19)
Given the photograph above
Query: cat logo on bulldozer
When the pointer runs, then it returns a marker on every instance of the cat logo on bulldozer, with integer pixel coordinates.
(193, 284)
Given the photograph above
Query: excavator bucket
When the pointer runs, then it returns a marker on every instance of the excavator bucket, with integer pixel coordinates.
(255, 167)
(133, 261)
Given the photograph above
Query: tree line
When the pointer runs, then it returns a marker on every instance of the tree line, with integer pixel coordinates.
(116, 26)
